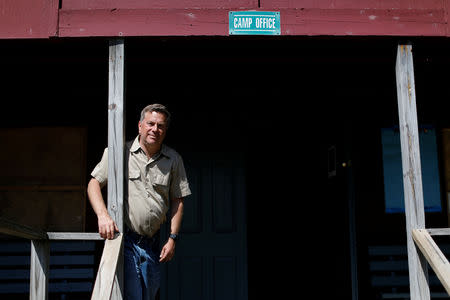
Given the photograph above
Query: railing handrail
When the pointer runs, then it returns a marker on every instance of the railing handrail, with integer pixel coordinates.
(40, 257)
(434, 256)
(106, 273)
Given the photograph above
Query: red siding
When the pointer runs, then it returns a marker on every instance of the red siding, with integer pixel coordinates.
(82, 18)
(157, 4)
(143, 22)
(400, 22)
(354, 4)
(28, 19)
(308, 21)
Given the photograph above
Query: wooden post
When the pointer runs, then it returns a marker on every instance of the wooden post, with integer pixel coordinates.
(116, 141)
(39, 269)
(412, 174)
(116, 131)
(103, 288)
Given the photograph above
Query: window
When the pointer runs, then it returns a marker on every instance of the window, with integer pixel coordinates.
(393, 174)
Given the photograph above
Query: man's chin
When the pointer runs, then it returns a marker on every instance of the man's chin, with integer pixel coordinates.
(151, 142)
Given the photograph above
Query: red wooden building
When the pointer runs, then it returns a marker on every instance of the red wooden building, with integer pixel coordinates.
(283, 136)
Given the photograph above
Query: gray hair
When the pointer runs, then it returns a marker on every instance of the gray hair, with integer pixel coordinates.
(158, 108)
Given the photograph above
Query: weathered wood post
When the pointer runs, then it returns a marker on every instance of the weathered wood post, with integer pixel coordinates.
(39, 269)
(412, 173)
(116, 141)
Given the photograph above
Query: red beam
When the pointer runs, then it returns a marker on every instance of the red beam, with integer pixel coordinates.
(143, 22)
(158, 4)
(299, 21)
(81, 18)
(252, 4)
(354, 4)
(386, 22)
(28, 19)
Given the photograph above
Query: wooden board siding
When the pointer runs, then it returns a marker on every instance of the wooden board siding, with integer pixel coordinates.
(354, 4)
(157, 4)
(143, 22)
(331, 17)
(28, 19)
(43, 177)
(115, 18)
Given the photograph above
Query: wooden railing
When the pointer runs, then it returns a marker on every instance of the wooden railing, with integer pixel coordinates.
(434, 256)
(40, 258)
(109, 276)
(106, 275)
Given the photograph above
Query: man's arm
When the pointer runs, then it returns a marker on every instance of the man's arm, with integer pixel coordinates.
(168, 251)
(106, 225)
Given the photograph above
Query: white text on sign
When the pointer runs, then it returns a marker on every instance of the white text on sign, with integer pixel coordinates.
(260, 23)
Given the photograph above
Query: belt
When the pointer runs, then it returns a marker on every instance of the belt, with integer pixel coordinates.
(136, 237)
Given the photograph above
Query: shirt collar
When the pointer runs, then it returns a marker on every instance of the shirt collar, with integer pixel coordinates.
(136, 146)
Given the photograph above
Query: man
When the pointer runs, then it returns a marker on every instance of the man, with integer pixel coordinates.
(156, 180)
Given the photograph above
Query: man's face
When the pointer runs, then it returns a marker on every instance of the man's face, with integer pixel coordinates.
(153, 129)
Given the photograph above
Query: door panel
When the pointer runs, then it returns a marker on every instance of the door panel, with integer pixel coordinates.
(224, 274)
(211, 256)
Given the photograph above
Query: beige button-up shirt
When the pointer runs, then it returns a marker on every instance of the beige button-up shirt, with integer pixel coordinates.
(152, 184)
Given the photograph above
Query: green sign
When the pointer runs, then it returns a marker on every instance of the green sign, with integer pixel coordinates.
(254, 23)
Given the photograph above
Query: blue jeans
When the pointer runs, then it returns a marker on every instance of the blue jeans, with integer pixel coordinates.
(142, 274)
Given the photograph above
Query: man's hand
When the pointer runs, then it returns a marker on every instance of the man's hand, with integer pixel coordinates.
(168, 251)
(106, 226)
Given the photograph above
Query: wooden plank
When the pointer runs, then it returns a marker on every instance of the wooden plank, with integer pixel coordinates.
(63, 260)
(129, 21)
(40, 19)
(434, 256)
(412, 174)
(360, 4)
(11, 228)
(361, 22)
(116, 143)
(51, 210)
(438, 231)
(42, 188)
(116, 135)
(54, 287)
(143, 22)
(55, 151)
(28, 19)
(19, 274)
(103, 287)
(41, 180)
(39, 269)
(81, 236)
(146, 4)
(404, 296)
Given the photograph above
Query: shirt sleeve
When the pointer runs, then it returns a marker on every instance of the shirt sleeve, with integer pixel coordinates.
(179, 186)
(100, 171)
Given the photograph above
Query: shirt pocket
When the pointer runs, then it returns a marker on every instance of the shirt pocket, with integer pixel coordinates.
(161, 184)
(134, 175)
(160, 179)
